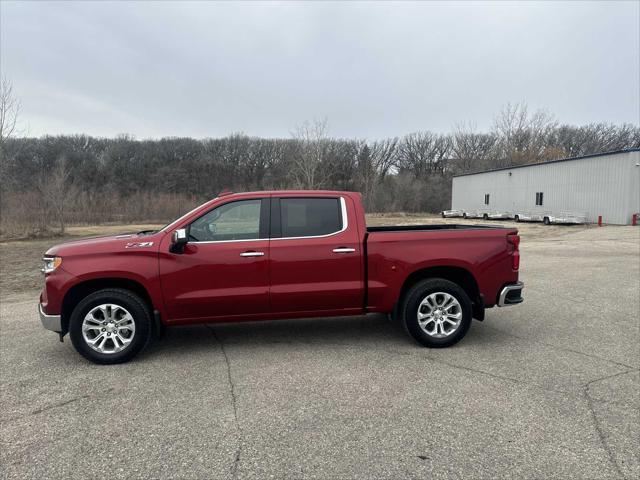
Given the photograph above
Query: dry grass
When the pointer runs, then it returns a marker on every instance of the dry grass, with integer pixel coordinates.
(26, 215)
(20, 260)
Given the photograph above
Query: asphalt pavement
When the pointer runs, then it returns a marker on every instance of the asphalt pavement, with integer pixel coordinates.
(547, 389)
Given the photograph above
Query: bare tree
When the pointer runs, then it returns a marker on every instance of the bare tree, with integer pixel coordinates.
(159, 179)
(56, 191)
(573, 141)
(424, 153)
(307, 164)
(471, 150)
(374, 161)
(9, 111)
(521, 136)
(383, 155)
(366, 173)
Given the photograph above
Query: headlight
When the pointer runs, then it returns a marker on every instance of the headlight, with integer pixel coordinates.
(50, 264)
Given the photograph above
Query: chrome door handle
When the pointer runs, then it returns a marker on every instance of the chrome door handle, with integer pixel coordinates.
(252, 254)
(344, 250)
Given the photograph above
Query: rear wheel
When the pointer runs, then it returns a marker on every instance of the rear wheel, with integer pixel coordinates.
(517, 218)
(437, 312)
(546, 221)
(110, 326)
(485, 217)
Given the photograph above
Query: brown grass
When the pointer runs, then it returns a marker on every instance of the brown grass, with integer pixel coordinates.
(28, 215)
(20, 260)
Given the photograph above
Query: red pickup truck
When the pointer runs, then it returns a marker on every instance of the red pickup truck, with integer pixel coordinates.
(270, 255)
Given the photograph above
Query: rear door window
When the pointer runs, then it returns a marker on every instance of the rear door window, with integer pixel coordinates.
(310, 217)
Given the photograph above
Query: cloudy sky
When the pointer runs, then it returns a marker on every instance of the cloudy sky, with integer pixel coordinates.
(373, 70)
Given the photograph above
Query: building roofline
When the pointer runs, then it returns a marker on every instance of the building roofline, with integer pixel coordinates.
(614, 152)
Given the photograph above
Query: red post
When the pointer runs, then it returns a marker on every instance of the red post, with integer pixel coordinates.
(599, 220)
(634, 219)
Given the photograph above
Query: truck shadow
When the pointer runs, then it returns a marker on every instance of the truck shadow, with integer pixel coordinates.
(361, 331)
(372, 331)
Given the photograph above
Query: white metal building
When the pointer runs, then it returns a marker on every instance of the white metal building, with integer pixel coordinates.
(606, 184)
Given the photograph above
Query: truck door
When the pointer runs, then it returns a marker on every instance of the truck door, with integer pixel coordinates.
(223, 270)
(315, 257)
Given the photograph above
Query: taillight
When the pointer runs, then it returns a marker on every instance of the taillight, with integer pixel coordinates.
(515, 255)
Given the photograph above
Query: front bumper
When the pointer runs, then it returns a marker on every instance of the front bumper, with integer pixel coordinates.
(50, 322)
(511, 295)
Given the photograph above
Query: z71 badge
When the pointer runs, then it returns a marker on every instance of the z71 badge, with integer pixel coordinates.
(138, 244)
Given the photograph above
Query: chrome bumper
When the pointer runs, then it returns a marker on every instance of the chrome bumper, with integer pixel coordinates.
(511, 295)
(50, 322)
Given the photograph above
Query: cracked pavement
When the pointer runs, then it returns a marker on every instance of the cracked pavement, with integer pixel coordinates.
(548, 389)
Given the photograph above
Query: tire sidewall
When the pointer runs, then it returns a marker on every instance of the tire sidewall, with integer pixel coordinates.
(126, 299)
(422, 290)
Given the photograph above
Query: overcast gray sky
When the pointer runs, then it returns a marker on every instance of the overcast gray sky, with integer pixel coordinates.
(372, 69)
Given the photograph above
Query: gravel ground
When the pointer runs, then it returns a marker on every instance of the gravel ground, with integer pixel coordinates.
(547, 389)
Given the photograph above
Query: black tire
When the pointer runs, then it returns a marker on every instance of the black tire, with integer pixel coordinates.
(485, 217)
(442, 214)
(138, 309)
(546, 221)
(517, 218)
(464, 215)
(410, 311)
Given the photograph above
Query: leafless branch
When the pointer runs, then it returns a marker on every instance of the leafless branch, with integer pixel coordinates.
(313, 139)
(9, 111)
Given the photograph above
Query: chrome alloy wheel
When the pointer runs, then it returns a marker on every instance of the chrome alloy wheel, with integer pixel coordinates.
(108, 328)
(439, 315)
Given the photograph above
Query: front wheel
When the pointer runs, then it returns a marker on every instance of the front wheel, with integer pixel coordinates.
(546, 221)
(110, 326)
(437, 312)
(517, 218)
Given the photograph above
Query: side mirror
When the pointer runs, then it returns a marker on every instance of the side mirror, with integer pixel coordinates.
(179, 239)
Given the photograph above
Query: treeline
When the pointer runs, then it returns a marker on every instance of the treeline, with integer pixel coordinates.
(53, 181)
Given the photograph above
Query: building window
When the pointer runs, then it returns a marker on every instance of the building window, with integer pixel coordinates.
(539, 198)
(486, 199)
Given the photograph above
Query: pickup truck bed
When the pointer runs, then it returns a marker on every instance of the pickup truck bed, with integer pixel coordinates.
(424, 228)
(475, 256)
(271, 255)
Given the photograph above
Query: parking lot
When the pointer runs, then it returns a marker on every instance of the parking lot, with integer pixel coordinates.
(547, 389)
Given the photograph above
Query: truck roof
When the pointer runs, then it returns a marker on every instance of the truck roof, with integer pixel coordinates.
(289, 192)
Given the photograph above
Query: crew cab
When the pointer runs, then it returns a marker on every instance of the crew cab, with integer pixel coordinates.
(275, 255)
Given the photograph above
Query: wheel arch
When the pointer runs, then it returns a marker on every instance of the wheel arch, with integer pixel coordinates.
(458, 275)
(80, 290)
